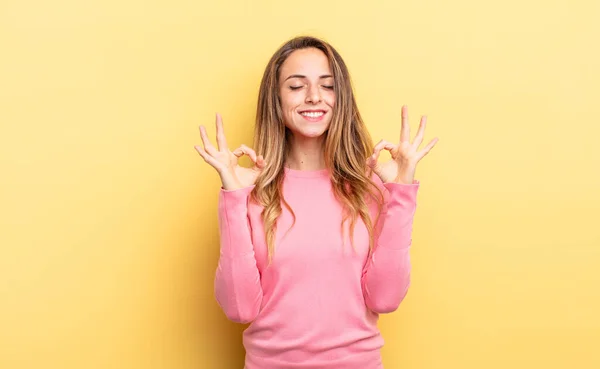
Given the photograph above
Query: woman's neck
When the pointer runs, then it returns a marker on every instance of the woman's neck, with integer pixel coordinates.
(306, 154)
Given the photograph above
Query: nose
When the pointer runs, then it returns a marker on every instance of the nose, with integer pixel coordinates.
(313, 95)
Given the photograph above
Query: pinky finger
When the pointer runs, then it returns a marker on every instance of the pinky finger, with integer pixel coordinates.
(428, 148)
(207, 157)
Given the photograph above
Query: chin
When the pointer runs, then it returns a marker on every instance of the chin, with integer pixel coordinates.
(313, 134)
(313, 131)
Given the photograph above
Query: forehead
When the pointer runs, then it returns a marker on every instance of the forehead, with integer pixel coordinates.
(309, 62)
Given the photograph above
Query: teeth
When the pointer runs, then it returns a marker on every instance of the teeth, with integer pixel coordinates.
(312, 114)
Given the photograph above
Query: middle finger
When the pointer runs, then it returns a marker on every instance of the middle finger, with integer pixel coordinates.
(405, 129)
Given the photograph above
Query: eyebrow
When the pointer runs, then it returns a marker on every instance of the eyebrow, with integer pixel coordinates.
(302, 76)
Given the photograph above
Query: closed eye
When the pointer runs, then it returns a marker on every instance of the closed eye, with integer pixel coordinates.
(293, 88)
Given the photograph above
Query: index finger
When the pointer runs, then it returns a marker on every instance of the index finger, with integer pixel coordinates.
(221, 141)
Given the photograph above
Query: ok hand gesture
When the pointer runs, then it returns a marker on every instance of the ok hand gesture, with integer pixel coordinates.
(225, 162)
(405, 155)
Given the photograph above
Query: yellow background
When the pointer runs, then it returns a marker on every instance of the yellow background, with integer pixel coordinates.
(109, 236)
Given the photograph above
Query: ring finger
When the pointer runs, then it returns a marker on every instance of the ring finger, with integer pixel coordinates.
(206, 142)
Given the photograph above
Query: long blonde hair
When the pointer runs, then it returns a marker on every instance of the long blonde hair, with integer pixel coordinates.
(347, 145)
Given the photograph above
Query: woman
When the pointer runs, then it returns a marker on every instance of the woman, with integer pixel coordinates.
(315, 237)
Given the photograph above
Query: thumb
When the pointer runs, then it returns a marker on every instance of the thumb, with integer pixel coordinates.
(260, 162)
(371, 161)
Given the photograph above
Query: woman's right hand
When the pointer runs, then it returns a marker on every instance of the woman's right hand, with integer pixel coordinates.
(225, 161)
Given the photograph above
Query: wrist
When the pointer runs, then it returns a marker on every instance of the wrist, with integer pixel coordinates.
(230, 182)
(405, 176)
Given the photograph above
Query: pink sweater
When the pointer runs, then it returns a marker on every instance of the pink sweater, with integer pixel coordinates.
(318, 303)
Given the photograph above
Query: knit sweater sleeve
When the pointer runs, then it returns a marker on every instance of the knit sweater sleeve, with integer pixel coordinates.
(386, 276)
(237, 284)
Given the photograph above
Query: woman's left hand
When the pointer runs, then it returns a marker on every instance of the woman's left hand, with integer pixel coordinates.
(405, 155)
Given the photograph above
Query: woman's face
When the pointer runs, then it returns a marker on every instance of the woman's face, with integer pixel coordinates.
(306, 91)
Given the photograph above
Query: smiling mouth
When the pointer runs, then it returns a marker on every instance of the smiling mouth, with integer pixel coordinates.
(312, 114)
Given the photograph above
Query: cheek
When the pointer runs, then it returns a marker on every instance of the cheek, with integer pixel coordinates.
(330, 99)
(288, 102)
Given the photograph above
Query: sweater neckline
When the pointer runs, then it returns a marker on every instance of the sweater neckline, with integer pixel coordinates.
(319, 173)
